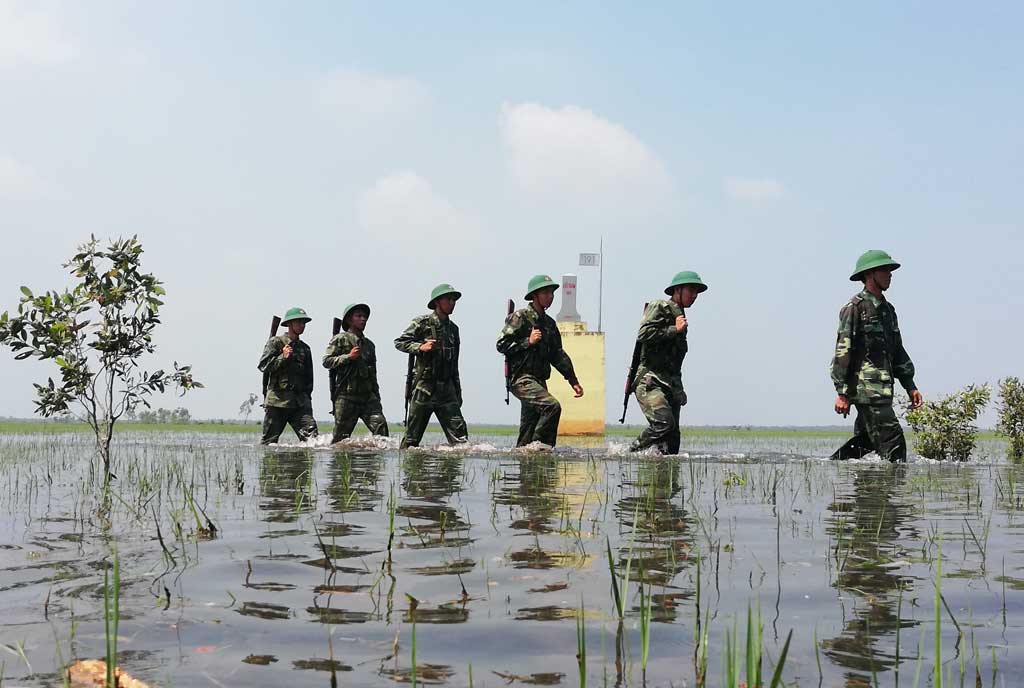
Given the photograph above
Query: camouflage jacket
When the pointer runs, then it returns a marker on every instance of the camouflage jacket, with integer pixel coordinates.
(289, 381)
(352, 377)
(662, 348)
(869, 352)
(439, 365)
(535, 360)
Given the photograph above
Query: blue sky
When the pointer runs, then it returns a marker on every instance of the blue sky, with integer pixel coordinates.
(320, 153)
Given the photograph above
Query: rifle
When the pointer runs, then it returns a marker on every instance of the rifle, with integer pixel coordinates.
(332, 374)
(408, 385)
(275, 323)
(633, 365)
(508, 368)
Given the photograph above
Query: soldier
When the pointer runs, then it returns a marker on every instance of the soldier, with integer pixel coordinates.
(352, 360)
(432, 342)
(869, 356)
(658, 384)
(532, 344)
(287, 367)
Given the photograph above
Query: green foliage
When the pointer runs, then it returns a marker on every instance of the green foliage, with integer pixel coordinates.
(1011, 415)
(96, 332)
(162, 416)
(945, 429)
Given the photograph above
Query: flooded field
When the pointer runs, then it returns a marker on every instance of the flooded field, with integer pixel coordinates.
(245, 566)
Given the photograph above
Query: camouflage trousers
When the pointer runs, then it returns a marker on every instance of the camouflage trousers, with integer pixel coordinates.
(275, 419)
(444, 402)
(350, 410)
(876, 430)
(538, 417)
(661, 409)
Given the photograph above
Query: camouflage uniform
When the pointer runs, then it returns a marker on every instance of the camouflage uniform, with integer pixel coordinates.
(288, 384)
(658, 384)
(530, 368)
(869, 356)
(354, 391)
(436, 387)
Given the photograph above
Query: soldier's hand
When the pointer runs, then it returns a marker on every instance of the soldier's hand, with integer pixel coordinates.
(428, 345)
(287, 351)
(842, 406)
(680, 323)
(355, 353)
(535, 335)
(916, 399)
(578, 390)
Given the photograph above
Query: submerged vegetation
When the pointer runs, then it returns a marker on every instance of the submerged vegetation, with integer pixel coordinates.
(209, 561)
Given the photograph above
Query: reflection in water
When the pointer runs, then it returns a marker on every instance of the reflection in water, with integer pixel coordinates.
(866, 527)
(286, 485)
(352, 482)
(328, 557)
(652, 499)
(529, 485)
(430, 477)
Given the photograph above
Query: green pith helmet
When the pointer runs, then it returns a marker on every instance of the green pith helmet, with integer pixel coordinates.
(870, 261)
(686, 277)
(443, 290)
(348, 311)
(295, 314)
(538, 282)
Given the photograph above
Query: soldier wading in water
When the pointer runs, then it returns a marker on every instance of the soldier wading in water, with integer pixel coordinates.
(658, 384)
(287, 367)
(352, 360)
(532, 344)
(869, 357)
(433, 342)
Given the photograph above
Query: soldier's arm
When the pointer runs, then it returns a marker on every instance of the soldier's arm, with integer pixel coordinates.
(844, 345)
(902, 366)
(514, 338)
(561, 361)
(272, 360)
(657, 325)
(409, 341)
(337, 353)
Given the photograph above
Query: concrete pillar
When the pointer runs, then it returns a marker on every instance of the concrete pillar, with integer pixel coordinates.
(583, 416)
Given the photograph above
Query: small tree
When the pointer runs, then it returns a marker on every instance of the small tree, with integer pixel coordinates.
(245, 410)
(1011, 415)
(96, 332)
(945, 429)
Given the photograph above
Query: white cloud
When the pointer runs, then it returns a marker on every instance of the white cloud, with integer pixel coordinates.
(404, 206)
(354, 96)
(573, 154)
(29, 34)
(754, 190)
(18, 179)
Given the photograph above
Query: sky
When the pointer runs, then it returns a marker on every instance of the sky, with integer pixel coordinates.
(276, 154)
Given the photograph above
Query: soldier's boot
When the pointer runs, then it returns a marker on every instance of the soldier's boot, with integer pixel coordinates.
(453, 424)
(861, 444)
(274, 423)
(304, 424)
(416, 423)
(886, 433)
(662, 430)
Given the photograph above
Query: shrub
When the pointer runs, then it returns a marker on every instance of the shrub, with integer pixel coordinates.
(1011, 415)
(945, 429)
